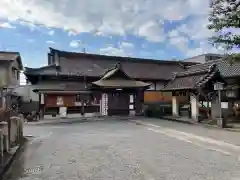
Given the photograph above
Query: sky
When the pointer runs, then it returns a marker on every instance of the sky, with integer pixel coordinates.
(157, 29)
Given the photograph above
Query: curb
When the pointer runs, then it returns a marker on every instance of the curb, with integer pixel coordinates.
(9, 163)
(63, 122)
(203, 125)
(179, 121)
(193, 123)
(215, 127)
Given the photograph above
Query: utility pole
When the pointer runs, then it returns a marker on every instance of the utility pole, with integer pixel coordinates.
(83, 47)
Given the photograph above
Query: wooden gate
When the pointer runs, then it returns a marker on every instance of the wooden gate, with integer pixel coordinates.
(118, 103)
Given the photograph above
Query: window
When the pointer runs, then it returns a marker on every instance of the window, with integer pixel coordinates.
(13, 73)
(17, 75)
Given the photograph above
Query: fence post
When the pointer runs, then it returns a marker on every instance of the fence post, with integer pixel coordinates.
(2, 147)
(9, 127)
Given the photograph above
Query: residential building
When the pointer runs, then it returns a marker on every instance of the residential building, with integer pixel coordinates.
(10, 67)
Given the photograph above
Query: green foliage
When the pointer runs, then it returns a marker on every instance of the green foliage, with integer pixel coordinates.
(225, 19)
(233, 57)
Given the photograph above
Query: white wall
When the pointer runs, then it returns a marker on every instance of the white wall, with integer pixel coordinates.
(27, 93)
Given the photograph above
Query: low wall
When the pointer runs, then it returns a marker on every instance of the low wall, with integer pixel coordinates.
(11, 132)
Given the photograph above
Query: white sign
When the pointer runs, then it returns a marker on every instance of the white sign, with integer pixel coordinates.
(218, 86)
(63, 112)
(131, 98)
(78, 103)
(42, 98)
(59, 100)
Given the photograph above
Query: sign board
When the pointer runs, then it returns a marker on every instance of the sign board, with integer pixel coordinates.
(78, 103)
(218, 86)
(231, 94)
(59, 100)
(131, 98)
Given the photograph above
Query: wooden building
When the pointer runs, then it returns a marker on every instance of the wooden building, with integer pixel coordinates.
(74, 83)
(197, 82)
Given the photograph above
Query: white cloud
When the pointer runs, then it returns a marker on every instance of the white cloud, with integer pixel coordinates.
(7, 25)
(173, 33)
(50, 42)
(112, 51)
(180, 42)
(196, 28)
(30, 25)
(74, 43)
(72, 33)
(114, 17)
(152, 32)
(203, 48)
(124, 48)
(126, 45)
(136, 17)
(51, 33)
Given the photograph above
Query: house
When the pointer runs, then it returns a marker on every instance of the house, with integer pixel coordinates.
(10, 67)
(84, 83)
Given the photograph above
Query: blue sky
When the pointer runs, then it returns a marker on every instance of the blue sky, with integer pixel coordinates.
(158, 29)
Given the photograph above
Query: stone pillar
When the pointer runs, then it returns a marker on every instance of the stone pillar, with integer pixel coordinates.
(175, 106)
(104, 104)
(194, 107)
(41, 98)
(41, 106)
(132, 111)
(215, 107)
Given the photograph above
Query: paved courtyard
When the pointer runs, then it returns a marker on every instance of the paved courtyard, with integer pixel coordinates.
(122, 150)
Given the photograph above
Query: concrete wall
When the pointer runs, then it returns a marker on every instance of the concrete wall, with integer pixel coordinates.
(27, 93)
(198, 59)
(7, 76)
(203, 58)
(4, 73)
(14, 75)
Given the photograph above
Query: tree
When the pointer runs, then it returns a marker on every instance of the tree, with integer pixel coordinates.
(225, 21)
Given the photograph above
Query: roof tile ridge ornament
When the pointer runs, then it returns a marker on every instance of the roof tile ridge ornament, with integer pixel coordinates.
(118, 65)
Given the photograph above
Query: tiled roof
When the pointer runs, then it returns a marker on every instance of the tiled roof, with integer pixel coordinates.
(122, 80)
(11, 56)
(192, 78)
(45, 70)
(59, 87)
(8, 55)
(141, 70)
(96, 65)
(120, 83)
(226, 68)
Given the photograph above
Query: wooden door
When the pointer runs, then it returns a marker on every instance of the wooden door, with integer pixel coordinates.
(118, 103)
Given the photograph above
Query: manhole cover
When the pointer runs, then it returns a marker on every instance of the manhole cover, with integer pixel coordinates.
(35, 170)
